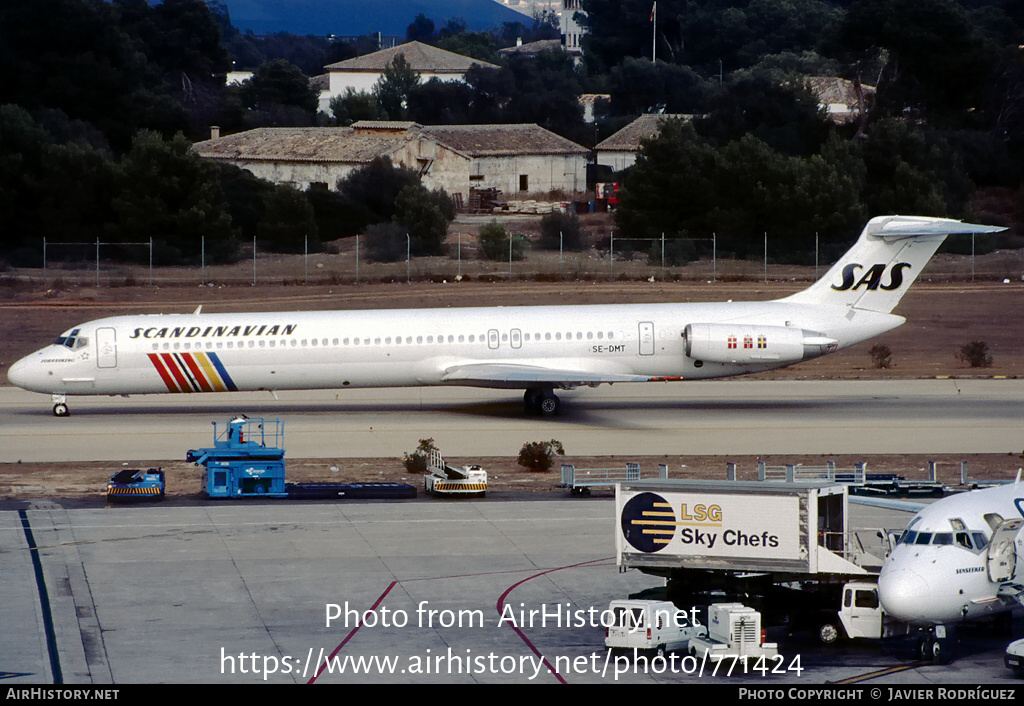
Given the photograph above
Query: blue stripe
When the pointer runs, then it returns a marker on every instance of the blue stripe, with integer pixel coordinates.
(228, 382)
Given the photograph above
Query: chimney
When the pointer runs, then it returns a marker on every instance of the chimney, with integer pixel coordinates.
(214, 132)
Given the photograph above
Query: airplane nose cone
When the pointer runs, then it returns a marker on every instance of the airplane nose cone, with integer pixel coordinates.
(18, 373)
(903, 594)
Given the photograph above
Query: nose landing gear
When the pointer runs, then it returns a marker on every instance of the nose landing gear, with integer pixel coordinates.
(60, 405)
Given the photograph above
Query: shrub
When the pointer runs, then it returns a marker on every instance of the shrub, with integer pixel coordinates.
(975, 354)
(559, 229)
(539, 455)
(494, 242)
(881, 356)
(416, 462)
(386, 242)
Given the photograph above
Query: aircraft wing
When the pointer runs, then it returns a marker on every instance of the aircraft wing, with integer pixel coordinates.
(514, 376)
(887, 503)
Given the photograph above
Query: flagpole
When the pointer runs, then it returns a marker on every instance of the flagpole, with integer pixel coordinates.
(654, 33)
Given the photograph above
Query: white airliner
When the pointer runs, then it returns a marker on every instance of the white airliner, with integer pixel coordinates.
(536, 349)
(957, 560)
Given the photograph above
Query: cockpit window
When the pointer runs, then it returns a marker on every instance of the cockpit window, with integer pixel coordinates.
(908, 537)
(942, 538)
(980, 540)
(964, 540)
(924, 538)
(73, 340)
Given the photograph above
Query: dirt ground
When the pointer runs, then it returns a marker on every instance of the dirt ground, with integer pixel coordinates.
(944, 312)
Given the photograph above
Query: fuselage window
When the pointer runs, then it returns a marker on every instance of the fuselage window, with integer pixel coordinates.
(611, 335)
(579, 335)
(355, 341)
(547, 336)
(419, 339)
(313, 342)
(472, 338)
(376, 341)
(262, 343)
(600, 335)
(334, 342)
(387, 340)
(272, 343)
(558, 335)
(451, 338)
(430, 339)
(461, 338)
(590, 335)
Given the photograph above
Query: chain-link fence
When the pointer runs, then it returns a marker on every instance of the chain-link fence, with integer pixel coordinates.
(346, 261)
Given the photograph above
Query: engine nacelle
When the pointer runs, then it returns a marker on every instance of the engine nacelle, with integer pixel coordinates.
(753, 344)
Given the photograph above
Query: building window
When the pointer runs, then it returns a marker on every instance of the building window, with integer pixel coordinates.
(524, 182)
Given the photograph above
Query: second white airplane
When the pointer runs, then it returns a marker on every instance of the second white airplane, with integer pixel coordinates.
(536, 349)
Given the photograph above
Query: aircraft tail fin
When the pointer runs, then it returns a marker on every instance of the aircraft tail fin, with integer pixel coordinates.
(889, 255)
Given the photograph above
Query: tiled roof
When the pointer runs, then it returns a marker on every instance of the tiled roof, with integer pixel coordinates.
(537, 47)
(643, 128)
(496, 140)
(310, 144)
(420, 57)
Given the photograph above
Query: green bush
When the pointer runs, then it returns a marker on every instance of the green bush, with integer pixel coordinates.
(416, 462)
(494, 242)
(561, 230)
(975, 354)
(539, 455)
(881, 356)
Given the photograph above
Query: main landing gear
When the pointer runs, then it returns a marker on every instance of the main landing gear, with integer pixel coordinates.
(60, 405)
(541, 401)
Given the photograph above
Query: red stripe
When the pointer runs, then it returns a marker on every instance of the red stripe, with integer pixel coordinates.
(173, 367)
(196, 372)
(171, 387)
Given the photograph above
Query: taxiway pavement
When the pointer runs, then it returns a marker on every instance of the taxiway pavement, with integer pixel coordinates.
(735, 417)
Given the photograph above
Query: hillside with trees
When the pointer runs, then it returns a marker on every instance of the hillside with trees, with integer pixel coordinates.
(103, 98)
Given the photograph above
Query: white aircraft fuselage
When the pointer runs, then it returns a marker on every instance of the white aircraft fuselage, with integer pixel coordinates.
(957, 559)
(537, 349)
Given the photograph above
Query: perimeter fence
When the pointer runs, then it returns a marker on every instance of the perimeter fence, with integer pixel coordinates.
(347, 262)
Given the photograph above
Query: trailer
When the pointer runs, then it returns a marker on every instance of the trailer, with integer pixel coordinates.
(135, 484)
(579, 481)
(442, 479)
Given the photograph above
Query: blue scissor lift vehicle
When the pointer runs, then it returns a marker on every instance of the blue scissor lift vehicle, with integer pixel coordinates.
(246, 460)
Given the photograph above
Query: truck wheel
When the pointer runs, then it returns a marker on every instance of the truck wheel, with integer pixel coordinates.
(828, 633)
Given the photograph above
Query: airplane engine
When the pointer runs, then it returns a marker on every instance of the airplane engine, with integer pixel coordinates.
(752, 344)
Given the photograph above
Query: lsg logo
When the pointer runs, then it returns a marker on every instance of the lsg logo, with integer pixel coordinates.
(872, 279)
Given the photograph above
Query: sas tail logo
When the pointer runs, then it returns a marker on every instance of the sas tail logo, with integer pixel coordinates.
(872, 278)
(192, 372)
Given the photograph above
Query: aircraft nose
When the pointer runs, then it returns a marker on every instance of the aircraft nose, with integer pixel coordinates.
(18, 373)
(903, 594)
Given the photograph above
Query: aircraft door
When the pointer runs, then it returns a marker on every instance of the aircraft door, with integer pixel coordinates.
(516, 338)
(106, 348)
(492, 338)
(1002, 553)
(646, 338)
